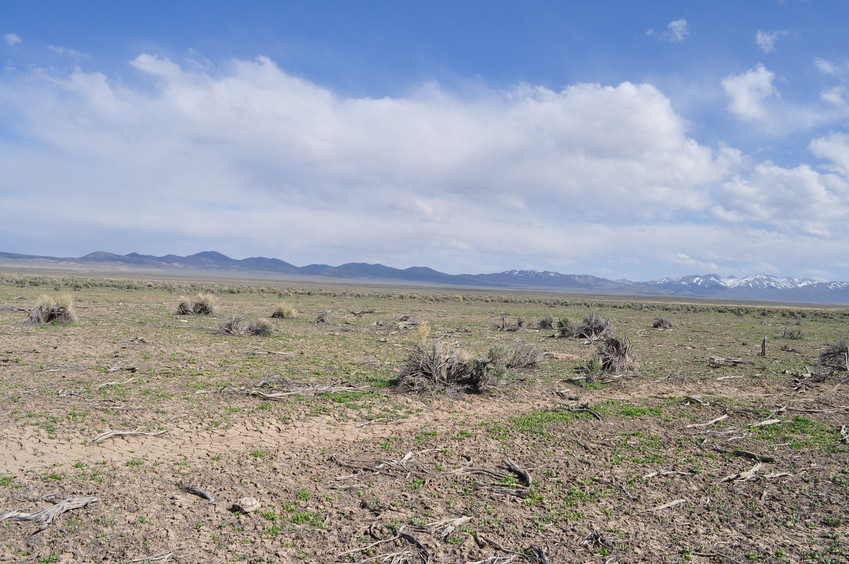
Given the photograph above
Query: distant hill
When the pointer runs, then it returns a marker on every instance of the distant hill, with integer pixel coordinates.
(756, 287)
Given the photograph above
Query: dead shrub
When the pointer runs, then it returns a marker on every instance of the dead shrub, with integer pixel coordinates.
(284, 311)
(323, 316)
(202, 304)
(440, 368)
(52, 310)
(835, 357)
(616, 356)
(546, 322)
(236, 325)
(661, 323)
(593, 327)
(525, 355)
(793, 333)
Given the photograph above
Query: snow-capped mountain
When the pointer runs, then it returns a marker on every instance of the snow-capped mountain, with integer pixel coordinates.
(755, 287)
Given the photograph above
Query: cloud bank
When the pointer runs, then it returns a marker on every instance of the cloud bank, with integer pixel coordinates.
(251, 160)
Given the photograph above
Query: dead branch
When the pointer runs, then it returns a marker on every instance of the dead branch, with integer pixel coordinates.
(844, 434)
(717, 361)
(666, 505)
(752, 474)
(666, 473)
(160, 558)
(523, 475)
(188, 488)
(109, 434)
(765, 423)
(746, 454)
(116, 383)
(47, 516)
(711, 422)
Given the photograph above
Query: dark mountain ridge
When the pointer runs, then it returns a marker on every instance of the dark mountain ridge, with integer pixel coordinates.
(756, 287)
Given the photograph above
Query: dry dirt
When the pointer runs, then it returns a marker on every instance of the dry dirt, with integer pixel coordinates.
(641, 469)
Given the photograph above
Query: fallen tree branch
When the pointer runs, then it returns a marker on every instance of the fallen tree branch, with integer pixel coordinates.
(107, 384)
(666, 505)
(746, 454)
(711, 422)
(109, 434)
(47, 516)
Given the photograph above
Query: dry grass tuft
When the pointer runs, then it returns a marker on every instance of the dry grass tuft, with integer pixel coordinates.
(202, 304)
(237, 325)
(284, 311)
(52, 310)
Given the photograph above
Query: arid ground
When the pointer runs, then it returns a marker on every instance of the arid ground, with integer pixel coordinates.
(708, 452)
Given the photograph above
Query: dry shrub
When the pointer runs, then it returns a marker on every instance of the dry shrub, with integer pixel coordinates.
(440, 368)
(565, 328)
(284, 311)
(835, 357)
(323, 316)
(202, 304)
(616, 356)
(546, 322)
(661, 323)
(525, 355)
(237, 325)
(52, 310)
(593, 327)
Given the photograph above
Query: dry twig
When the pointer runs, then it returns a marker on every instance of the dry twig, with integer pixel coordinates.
(109, 434)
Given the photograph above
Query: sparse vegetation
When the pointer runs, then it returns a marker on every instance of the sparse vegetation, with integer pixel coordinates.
(48, 309)
(616, 356)
(284, 311)
(237, 325)
(661, 323)
(201, 304)
(307, 423)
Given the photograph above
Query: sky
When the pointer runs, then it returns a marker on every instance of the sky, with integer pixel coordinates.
(623, 139)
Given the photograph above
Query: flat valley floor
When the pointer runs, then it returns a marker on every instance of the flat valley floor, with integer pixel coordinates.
(709, 451)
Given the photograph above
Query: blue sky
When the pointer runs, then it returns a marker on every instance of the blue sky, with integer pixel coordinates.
(617, 138)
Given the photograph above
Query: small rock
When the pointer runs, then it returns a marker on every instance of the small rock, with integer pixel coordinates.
(246, 505)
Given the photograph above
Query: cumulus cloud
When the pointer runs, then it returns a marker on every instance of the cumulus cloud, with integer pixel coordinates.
(676, 31)
(11, 39)
(251, 160)
(748, 92)
(766, 39)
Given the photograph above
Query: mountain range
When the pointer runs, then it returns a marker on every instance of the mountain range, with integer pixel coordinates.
(755, 287)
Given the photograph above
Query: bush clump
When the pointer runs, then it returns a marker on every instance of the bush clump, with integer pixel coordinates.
(546, 322)
(52, 310)
(616, 356)
(202, 304)
(237, 325)
(593, 327)
(661, 323)
(835, 357)
(284, 311)
(439, 367)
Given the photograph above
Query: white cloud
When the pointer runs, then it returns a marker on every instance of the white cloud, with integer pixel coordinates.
(676, 31)
(11, 39)
(251, 160)
(748, 91)
(68, 52)
(766, 39)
